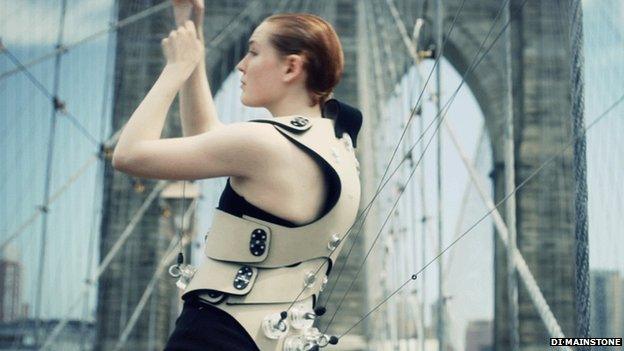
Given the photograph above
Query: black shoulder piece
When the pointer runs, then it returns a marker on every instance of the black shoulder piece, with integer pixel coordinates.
(348, 119)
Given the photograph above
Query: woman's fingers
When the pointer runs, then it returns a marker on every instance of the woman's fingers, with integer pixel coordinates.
(198, 4)
(184, 10)
(166, 47)
(182, 44)
(188, 9)
(190, 26)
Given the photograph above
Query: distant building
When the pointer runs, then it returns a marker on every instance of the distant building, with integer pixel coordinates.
(606, 303)
(10, 283)
(479, 336)
(20, 335)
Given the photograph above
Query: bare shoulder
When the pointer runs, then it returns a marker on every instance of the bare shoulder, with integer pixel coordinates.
(258, 146)
(261, 148)
(290, 185)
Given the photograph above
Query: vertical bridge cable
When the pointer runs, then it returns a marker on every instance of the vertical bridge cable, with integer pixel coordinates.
(510, 184)
(440, 326)
(580, 174)
(46, 192)
(85, 167)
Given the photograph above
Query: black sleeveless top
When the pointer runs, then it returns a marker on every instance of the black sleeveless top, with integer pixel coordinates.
(232, 203)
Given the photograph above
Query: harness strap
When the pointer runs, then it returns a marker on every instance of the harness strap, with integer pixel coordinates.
(262, 244)
(250, 285)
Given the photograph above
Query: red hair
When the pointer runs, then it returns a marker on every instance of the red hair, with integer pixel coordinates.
(316, 40)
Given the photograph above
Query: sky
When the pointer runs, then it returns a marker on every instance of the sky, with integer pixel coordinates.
(30, 28)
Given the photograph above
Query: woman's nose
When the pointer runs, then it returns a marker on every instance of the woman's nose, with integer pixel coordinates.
(239, 66)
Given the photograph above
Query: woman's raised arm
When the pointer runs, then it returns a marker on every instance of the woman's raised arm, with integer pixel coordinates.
(237, 149)
(198, 113)
(182, 51)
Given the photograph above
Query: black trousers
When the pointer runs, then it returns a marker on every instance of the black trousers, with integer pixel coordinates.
(201, 326)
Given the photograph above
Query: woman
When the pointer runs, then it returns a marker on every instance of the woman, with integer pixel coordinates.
(293, 188)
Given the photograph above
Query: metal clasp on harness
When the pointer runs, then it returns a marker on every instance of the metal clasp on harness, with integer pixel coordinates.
(333, 242)
(311, 339)
(274, 326)
(301, 317)
(184, 273)
(309, 280)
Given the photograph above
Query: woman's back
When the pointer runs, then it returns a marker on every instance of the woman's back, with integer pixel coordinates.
(293, 189)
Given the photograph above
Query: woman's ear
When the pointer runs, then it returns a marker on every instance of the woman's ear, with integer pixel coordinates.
(293, 68)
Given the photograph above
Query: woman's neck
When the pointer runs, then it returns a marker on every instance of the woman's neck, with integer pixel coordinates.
(295, 106)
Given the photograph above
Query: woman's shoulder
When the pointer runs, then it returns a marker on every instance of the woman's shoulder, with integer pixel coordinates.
(270, 147)
(261, 135)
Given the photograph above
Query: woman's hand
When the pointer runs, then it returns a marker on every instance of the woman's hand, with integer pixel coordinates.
(184, 10)
(183, 50)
